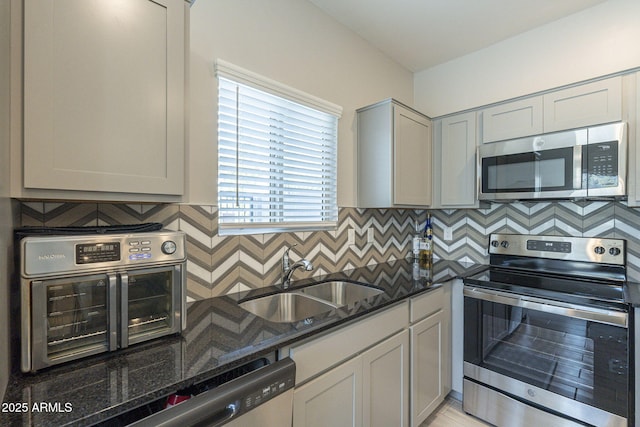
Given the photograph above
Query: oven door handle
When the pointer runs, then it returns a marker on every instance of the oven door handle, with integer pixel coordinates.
(598, 315)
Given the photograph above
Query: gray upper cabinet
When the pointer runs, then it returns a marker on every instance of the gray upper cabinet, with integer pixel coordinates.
(455, 172)
(512, 120)
(394, 156)
(104, 96)
(578, 106)
(584, 105)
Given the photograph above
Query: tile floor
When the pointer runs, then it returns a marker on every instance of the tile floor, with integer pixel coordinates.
(450, 414)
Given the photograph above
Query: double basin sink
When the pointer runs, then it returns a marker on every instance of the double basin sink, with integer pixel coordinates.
(299, 304)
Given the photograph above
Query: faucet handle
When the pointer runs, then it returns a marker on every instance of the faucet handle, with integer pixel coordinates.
(285, 258)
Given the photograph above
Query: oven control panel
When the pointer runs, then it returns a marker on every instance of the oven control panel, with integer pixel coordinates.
(590, 249)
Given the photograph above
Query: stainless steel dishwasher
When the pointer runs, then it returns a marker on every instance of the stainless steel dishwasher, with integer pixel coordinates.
(261, 398)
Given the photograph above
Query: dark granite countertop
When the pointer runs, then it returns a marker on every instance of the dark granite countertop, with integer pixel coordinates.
(220, 335)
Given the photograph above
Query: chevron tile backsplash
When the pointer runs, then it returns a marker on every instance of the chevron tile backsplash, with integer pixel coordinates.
(221, 264)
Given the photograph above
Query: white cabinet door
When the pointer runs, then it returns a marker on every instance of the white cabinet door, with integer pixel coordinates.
(385, 383)
(427, 366)
(332, 399)
(512, 120)
(412, 158)
(104, 95)
(394, 157)
(458, 161)
(584, 105)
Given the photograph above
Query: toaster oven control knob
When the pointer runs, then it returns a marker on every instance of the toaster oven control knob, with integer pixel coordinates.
(504, 244)
(599, 250)
(614, 251)
(169, 247)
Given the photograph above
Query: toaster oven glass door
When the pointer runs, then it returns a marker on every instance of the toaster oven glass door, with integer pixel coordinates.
(151, 304)
(71, 317)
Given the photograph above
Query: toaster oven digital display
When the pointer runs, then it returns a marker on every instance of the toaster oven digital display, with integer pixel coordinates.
(97, 252)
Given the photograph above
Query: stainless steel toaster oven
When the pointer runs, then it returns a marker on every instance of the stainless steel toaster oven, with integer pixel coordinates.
(91, 293)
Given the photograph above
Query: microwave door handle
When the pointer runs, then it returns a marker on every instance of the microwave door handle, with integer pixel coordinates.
(124, 310)
(113, 311)
(579, 169)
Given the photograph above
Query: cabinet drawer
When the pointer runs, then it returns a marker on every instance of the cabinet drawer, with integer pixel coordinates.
(427, 304)
(320, 354)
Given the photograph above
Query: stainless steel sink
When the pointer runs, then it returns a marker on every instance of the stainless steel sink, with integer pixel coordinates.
(286, 307)
(340, 293)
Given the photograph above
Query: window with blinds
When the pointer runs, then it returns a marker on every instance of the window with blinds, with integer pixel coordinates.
(277, 156)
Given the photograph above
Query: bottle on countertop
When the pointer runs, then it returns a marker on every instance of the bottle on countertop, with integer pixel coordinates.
(417, 237)
(426, 245)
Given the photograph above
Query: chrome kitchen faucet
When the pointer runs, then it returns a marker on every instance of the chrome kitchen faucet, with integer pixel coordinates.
(287, 270)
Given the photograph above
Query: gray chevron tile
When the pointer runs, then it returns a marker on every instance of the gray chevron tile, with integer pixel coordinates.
(517, 218)
(627, 222)
(221, 264)
(493, 217)
(598, 219)
(542, 218)
(70, 214)
(198, 287)
(201, 218)
(121, 213)
(568, 219)
(32, 214)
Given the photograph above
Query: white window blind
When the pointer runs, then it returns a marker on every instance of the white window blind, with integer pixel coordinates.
(277, 158)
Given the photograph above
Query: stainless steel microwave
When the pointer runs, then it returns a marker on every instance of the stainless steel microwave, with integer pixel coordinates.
(580, 163)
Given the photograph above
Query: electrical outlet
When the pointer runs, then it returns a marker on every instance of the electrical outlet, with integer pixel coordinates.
(351, 236)
(370, 235)
(448, 234)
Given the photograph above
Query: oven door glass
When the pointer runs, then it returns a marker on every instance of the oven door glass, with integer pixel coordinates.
(579, 359)
(548, 170)
(151, 304)
(70, 318)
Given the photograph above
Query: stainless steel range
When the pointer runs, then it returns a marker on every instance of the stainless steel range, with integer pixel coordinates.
(547, 333)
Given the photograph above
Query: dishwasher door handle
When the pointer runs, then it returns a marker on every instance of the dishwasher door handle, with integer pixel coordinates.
(220, 405)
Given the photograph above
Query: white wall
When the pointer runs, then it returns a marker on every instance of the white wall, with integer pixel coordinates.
(295, 43)
(598, 41)
(6, 216)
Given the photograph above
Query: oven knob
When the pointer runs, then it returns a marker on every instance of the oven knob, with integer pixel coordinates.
(599, 250)
(494, 243)
(169, 247)
(504, 244)
(614, 251)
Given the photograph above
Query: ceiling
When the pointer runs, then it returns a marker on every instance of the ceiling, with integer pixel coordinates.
(419, 34)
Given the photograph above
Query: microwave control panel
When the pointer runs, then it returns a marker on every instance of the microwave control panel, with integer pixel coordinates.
(602, 164)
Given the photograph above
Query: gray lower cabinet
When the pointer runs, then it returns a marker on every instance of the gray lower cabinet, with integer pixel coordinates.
(332, 399)
(430, 353)
(370, 390)
(354, 376)
(389, 369)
